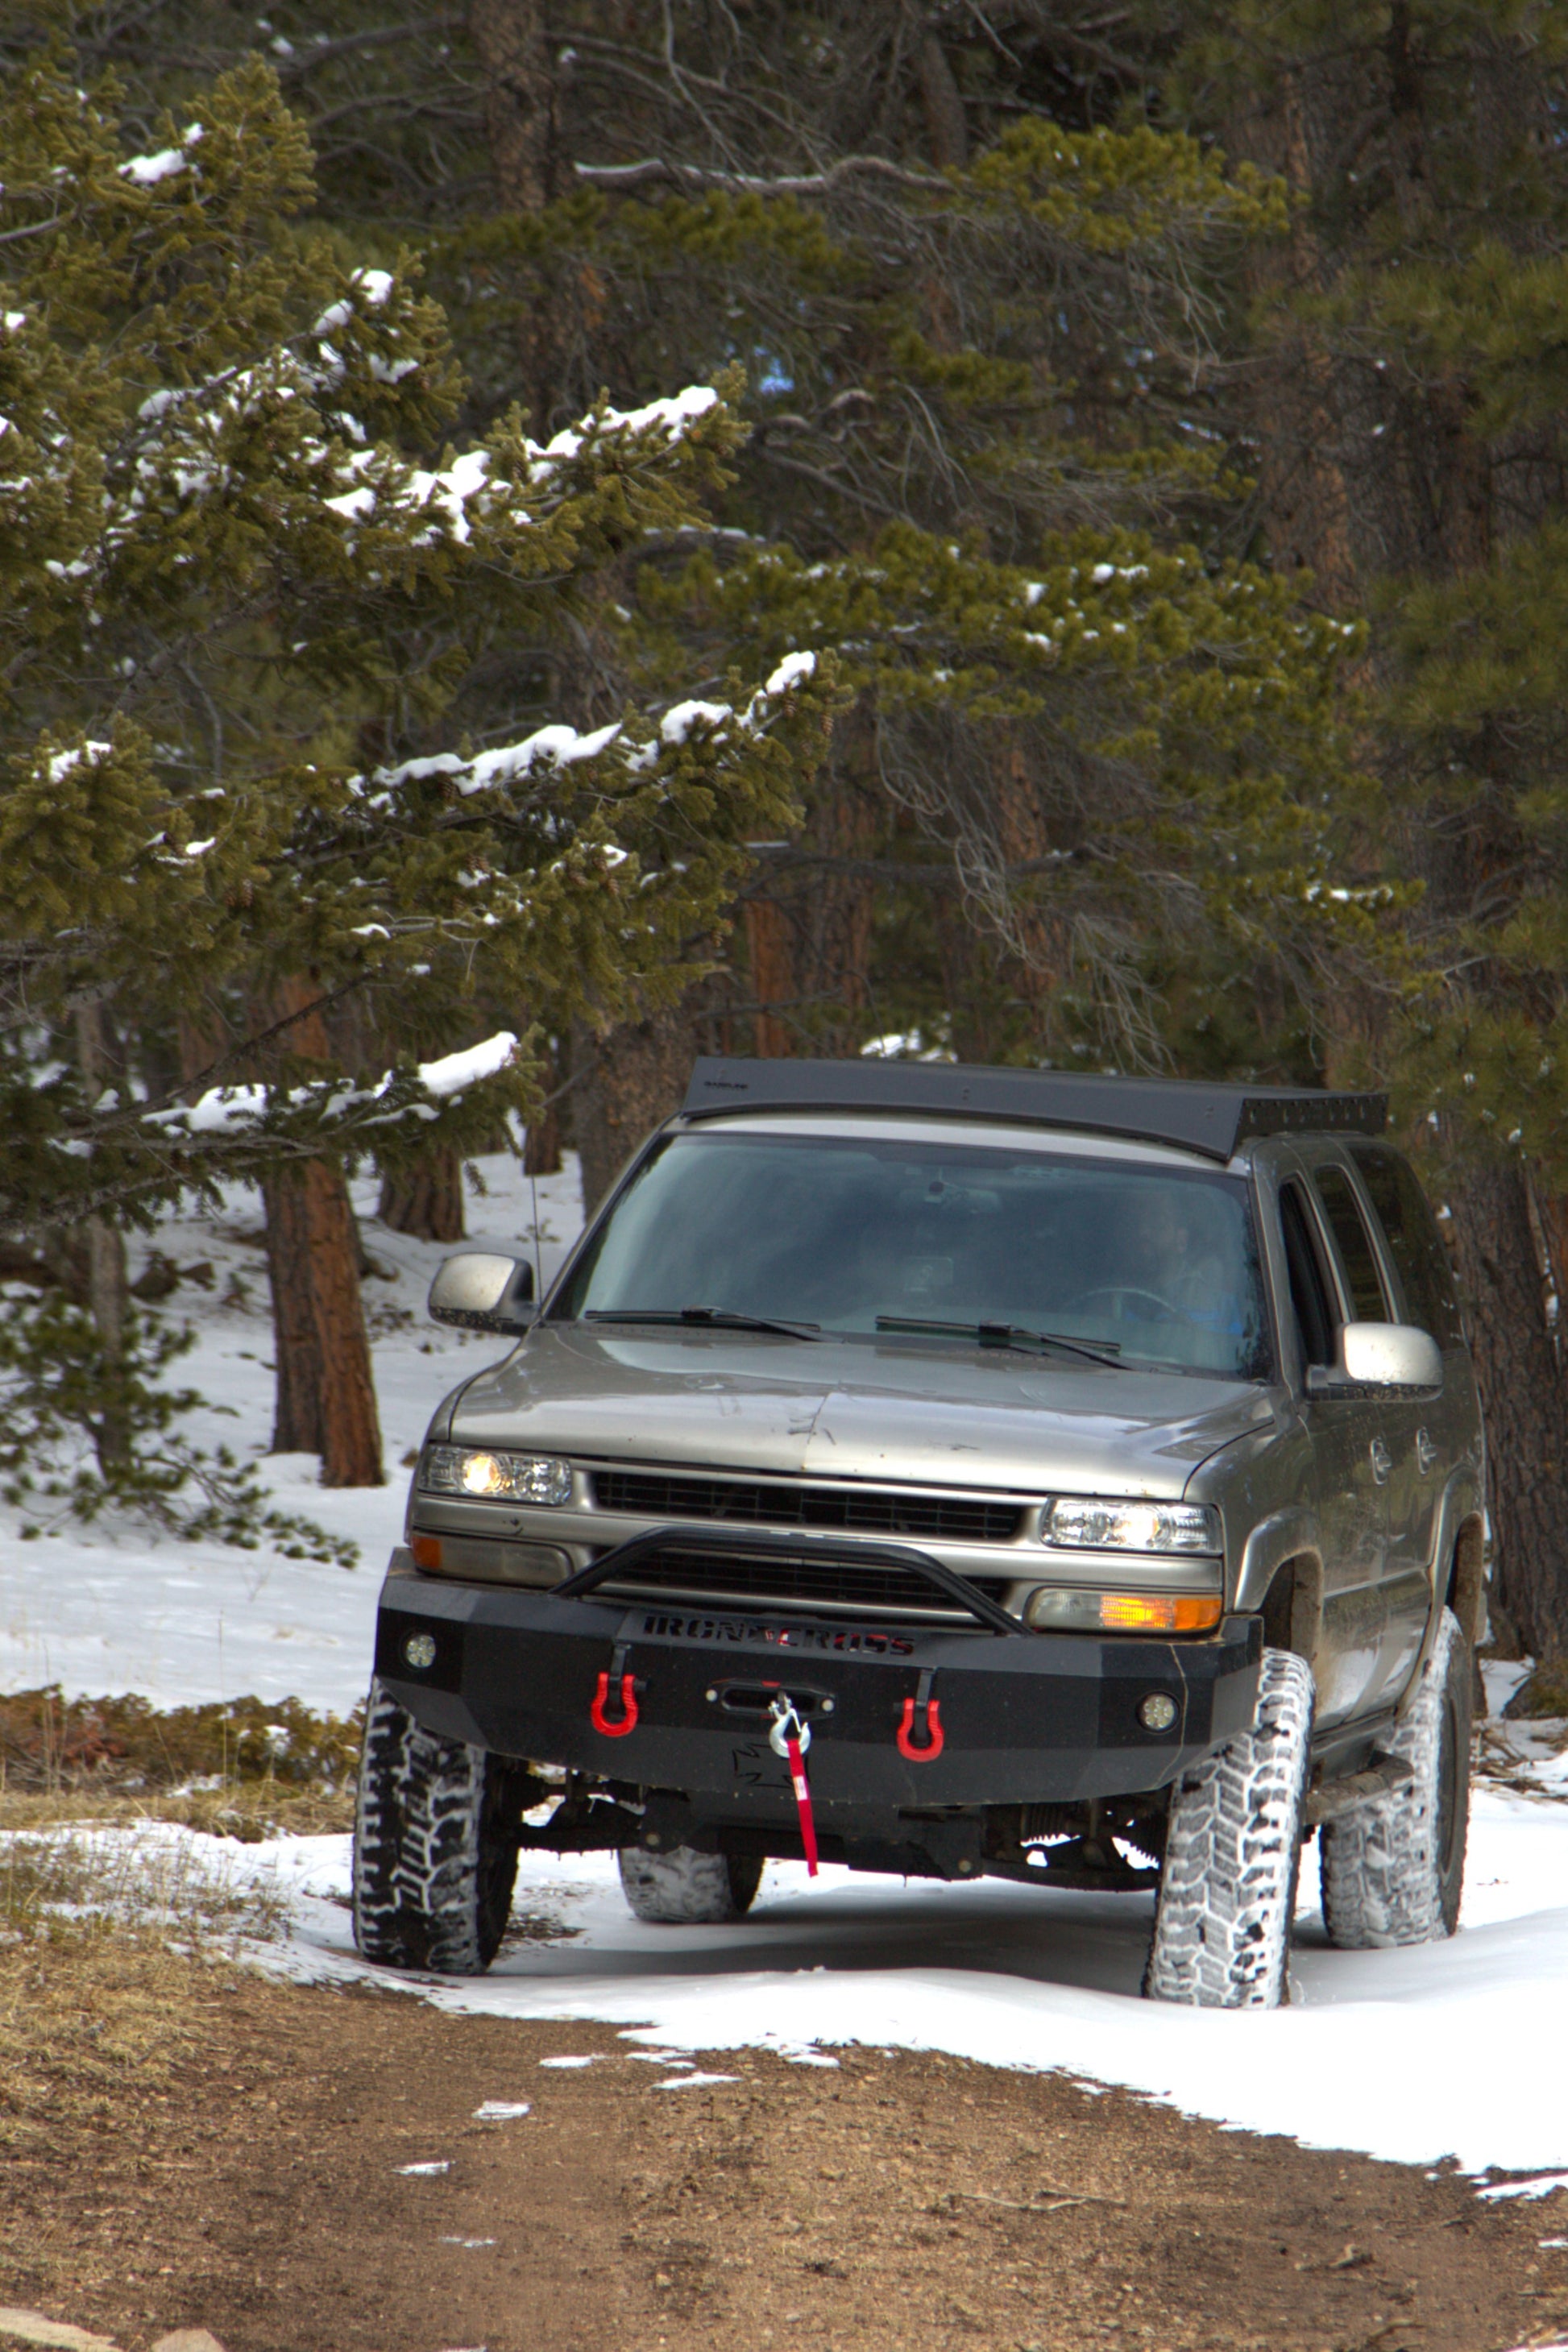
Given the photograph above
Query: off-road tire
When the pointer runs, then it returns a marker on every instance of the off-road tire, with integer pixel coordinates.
(1393, 1872)
(1233, 1854)
(434, 1853)
(685, 1888)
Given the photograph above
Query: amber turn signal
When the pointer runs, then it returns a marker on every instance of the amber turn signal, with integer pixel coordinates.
(427, 1551)
(1159, 1613)
(1058, 1611)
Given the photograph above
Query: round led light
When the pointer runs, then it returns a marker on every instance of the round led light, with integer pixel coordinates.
(1157, 1712)
(419, 1650)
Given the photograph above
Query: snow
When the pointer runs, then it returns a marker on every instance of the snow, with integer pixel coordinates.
(147, 171)
(113, 1609)
(790, 671)
(456, 1072)
(1403, 2054)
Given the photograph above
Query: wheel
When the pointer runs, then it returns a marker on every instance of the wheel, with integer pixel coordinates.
(1392, 1872)
(1233, 1854)
(435, 1846)
(685, 1888)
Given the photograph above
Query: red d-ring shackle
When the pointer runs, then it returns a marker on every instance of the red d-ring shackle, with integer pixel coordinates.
(615, 1672)
(930, 1708)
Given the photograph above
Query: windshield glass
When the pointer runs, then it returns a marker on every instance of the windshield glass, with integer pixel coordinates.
(1149, 1264)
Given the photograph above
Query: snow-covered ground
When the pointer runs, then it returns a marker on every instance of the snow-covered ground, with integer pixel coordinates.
(1453, 2049)
(110, 1609)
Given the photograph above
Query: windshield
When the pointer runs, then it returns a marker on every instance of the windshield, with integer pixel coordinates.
(1147, 1264)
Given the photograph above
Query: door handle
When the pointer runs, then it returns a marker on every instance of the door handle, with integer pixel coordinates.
(1425, 1452)
(1382, 1461)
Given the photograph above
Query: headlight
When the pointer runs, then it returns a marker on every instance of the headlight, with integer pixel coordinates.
(495, 1477)
(1086, 1523)
(1124, 1612)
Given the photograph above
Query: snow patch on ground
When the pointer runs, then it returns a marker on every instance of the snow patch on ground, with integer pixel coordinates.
(114, 1608)
(1382, 2051)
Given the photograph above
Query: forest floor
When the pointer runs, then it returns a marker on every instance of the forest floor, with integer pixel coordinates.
(300, 2169)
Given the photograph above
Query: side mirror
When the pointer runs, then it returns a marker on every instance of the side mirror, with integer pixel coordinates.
(1379, 1356)
(480, 1290)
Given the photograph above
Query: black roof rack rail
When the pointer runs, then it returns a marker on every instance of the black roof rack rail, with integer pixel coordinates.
(1212, 1119)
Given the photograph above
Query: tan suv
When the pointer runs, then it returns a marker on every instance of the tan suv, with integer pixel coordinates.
(955, 1473)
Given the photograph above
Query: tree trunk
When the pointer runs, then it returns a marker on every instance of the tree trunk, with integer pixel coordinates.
(425, 1198)
(1525, 1401)
(521, 131)
(542, 1145)
(106, 1279)
(635, 1077)
(297, 1426)
(326, 1395)
(325, 1390)
(770, 951)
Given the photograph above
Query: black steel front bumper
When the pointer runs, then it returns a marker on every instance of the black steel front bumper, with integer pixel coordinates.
(1024, 1717)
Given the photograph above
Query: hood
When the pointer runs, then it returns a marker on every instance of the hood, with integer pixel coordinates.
(930, 1417)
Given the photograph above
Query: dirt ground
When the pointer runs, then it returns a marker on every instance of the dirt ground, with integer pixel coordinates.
(240, 2161)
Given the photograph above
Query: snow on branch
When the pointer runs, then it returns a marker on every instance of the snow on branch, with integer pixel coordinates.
(335, 1103)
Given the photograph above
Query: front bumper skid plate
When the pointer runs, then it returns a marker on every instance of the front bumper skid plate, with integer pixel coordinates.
(1026, 1718)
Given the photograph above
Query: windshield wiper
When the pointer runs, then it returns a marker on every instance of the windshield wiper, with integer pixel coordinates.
(1008, 1335)
(711, 1319)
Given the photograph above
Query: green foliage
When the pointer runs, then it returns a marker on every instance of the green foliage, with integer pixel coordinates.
(249, 606)
(85, 1429)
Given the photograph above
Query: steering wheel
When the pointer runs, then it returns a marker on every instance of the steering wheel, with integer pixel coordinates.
(1118, 1291)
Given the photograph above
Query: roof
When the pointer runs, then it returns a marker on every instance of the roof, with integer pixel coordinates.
(1212, 1119)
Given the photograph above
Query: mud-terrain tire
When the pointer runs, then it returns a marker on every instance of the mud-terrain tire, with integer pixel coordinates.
(435, 1854)
(685, 1888)
(1393, 1872)
(1233, 1854)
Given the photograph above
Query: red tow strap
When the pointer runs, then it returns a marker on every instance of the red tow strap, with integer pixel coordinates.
(790, 1739)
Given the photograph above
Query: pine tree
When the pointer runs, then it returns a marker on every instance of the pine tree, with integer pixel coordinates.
(276, 728)
(1405, 384)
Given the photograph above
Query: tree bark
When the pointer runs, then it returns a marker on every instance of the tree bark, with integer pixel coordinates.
(945, 123)
(105, 1276)
(635, 1076)
(326, 1395)
(512, 44)
(521, 131)
(1526, 1403)
(770, 953)
(325, 1401)
(426, 1199)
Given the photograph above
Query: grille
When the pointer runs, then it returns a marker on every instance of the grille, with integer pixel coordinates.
(777, 1581)
(859, 1511)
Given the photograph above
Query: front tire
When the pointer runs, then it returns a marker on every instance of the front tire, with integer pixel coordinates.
(685, 1888)
(1393, 1872)
(434, 1856)
(1233, 1854)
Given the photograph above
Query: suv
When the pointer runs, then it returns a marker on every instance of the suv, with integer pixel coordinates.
(958, 1473)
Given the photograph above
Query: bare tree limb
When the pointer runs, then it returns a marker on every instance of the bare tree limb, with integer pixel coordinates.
(804, 184)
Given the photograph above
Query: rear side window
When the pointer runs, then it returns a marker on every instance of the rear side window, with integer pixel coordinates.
(1354, 1243)
(1308, 1291)
(1415, 1243)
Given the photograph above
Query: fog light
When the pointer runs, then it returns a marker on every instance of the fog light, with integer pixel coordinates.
(1157, 1712)
(419, 1650)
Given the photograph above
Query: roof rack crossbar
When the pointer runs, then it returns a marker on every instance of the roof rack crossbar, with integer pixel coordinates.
(1191, 1113)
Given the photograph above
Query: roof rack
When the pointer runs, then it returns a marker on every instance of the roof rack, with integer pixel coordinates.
(1212, 1119)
